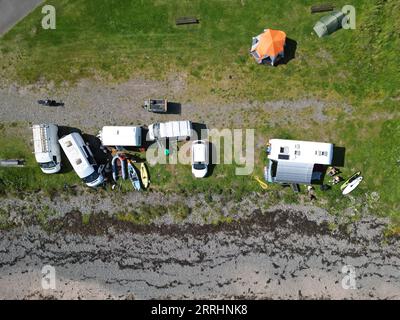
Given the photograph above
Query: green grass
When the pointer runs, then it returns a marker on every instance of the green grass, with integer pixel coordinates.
(123, 39)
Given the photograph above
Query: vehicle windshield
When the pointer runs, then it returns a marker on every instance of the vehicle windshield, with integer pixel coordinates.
(92, 177)
(199, 166)
(47, 165)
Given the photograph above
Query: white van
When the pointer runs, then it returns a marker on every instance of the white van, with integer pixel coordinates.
(46, 148)
(199, 158)
(180, 130)
(81, 159)
(127, 136)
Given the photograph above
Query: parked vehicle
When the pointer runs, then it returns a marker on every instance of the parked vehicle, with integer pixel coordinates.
(199, 158)
(81, 158)
(133, 176)
(298, 162)
(46, 147)
(144, 175)
(156, 105)
(119, 167)
(180, 130)
(121, 136)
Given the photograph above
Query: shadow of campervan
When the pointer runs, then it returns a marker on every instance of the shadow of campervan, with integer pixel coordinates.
(95, 146)
(339, 154)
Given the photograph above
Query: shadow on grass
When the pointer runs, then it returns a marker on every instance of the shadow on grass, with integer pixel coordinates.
(212, 152)
(338, 156)
(290, 51)
(201, 131)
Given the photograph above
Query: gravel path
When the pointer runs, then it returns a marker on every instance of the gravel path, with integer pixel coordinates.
(90, 105)
(275, 254)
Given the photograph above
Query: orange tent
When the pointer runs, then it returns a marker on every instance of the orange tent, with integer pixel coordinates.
(268, 45)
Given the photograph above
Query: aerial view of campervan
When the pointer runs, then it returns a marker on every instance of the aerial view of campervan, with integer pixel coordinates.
(204, 149)
(294, 161)
(81, 158)
(180, 130)
(121, 136)
(46, 147)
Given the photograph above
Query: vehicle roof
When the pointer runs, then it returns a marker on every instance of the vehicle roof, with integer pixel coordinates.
(72, 145)
(301, 151)
(120, 135)
(199, 152)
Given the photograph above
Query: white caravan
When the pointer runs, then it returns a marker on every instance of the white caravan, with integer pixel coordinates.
(299, 162)
(180, 130)
(123, 136)
(46, 147)
(81, 159)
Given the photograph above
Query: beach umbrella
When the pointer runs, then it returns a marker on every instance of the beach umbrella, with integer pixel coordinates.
(268, 46)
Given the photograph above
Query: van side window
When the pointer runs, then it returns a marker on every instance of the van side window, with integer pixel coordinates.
(88, 155)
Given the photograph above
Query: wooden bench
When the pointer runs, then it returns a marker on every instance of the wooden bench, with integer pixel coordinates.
(12, 163)
(186, 20)
(322, 8)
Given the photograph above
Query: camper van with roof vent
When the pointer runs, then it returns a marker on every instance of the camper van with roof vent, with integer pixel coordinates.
(81, 158)
(46, 148)
(121, 136)
(299, 162)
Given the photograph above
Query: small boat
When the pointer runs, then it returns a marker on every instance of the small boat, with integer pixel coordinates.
(352, 185)
(133, 176)
(349, 180)
(119, 167)
(144, 175)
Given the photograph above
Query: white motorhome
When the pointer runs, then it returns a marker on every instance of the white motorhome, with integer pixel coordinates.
(294, 161)
(81, 158)
(124, 136)
(46, 148)
(180, 130)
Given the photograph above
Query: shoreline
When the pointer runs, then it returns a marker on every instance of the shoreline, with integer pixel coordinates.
(285, 252)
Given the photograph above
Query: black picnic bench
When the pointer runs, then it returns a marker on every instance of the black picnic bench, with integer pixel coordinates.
(186, 20)
(322, 8)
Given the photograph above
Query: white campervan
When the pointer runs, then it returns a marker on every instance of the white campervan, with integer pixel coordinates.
(124, 136)
(81, 159)
(46, 147)
(180, 130)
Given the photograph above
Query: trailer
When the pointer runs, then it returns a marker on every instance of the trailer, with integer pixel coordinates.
(156, 105)
(121, 136)
(297, 162)
(179, 130)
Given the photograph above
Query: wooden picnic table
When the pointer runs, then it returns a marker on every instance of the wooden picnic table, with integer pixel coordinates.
(322, 8)
(186, 20)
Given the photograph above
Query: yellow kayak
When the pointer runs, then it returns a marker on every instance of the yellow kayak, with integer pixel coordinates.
(144, 175)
